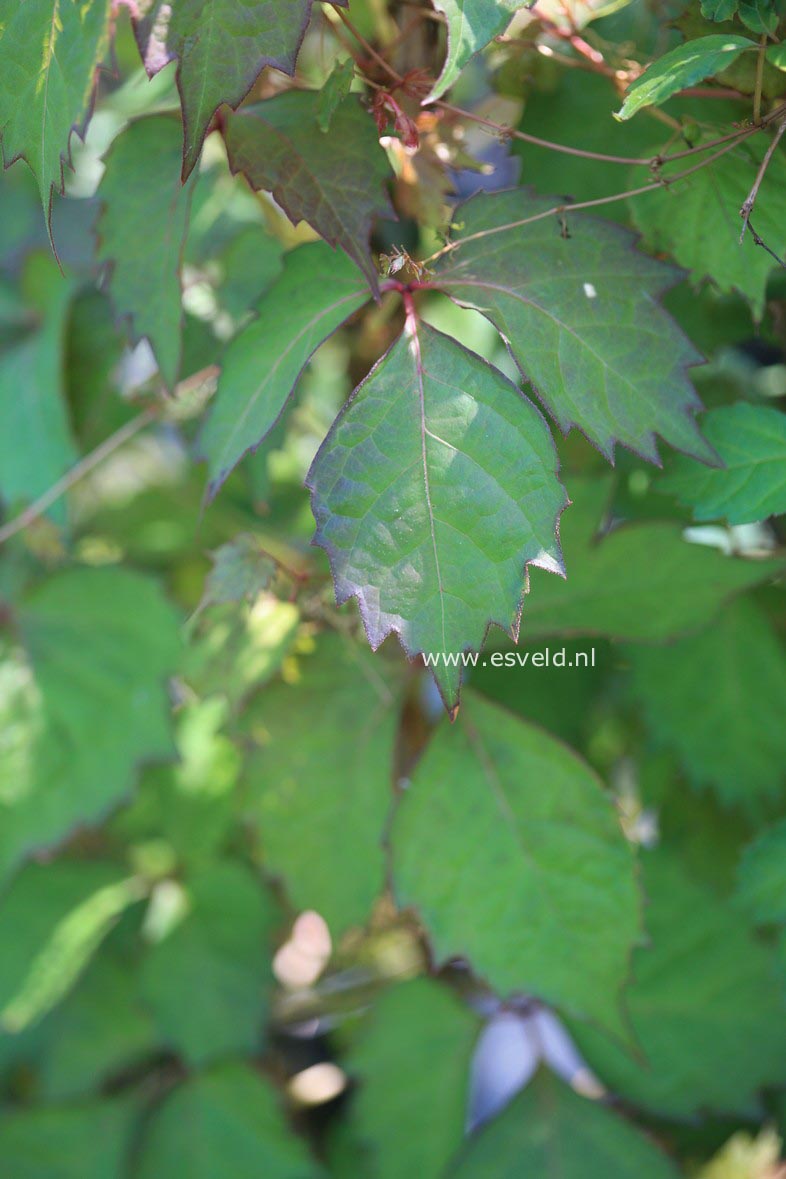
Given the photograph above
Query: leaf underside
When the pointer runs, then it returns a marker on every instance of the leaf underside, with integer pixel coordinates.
(580, 315)
(434, 489)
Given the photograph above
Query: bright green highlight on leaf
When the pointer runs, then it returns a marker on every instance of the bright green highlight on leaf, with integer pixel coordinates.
(496, 799)
(334, 182)
(144, 283)
(319, 796)
(580, 315)
(751, 440)
(471, 25)
(318, 290)
(435, 488)
(683, 67)
(87, 703)
(50, 51)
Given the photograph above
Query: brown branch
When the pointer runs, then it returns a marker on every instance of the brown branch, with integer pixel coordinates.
(750, 200)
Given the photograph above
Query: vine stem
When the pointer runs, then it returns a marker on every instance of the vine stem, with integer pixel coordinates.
(556, 210)
(750, 200)
(77, 472)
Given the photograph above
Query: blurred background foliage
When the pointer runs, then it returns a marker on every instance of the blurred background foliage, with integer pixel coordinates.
(204, 969)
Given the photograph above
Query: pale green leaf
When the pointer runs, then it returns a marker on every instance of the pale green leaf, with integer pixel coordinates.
(707, 1011)
(226, 1122)
(141, 234)
(219, 957)
(716, 699)
(87, 702)
(434, 490)
(334, 91)
(471, 25)
(50, 51)
(335, 182)
(580, 315)
(683, 67)
(319, 782)
(751, 440)
(411, 1059)
(761, 887)
(318, 290)
(512, 855)
(550, 1132)
(241, 571)
(642, 581)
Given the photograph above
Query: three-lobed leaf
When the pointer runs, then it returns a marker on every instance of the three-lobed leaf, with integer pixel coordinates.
(751, 485)
(510, 852)
(579, 312)
(434, 490)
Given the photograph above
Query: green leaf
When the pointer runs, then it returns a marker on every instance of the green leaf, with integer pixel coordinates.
(241, 571)
(434, 490)
(751, 440)
(88, 703)
(99, 1032)
(718, 10)
(50, 51)
(220, 48)
(221, 1123)
(412, 1057)
(334, 91)
(334, 182)
(683, 67)
(317, 291)
(471, 24)
(219, 956)
(314, 789)
(548, 1130)
(760, 16)
(512, 855)
(734, 742)
(641, 581)
(761, 887)
(70, 946)
(697, 220)
(85, 1141)
(142, 230)
(722, 1004)
(36, 447)
(581, 319)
